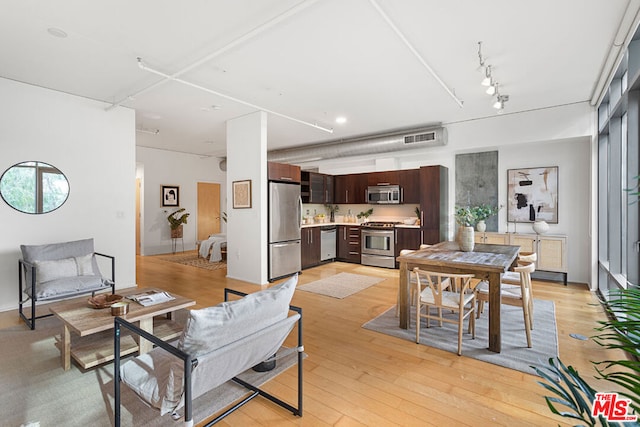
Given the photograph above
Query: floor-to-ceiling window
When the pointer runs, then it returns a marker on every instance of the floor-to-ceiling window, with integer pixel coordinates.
(618, 124)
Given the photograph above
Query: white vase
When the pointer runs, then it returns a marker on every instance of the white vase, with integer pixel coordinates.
(540, 227)
(466, 239)
(481, 226)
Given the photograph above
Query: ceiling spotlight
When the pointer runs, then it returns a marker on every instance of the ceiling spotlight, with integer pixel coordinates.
(341, 119)
(491, 90)
(500, 100)
(487, 79)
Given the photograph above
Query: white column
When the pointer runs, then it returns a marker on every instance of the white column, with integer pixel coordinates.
(247, 228)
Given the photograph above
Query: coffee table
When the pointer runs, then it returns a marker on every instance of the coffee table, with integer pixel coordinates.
(87, 333)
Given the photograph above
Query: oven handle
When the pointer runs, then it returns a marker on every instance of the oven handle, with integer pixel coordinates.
(377, 231)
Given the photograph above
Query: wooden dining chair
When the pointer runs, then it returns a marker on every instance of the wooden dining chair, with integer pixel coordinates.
(513, 277)
(412, 281)
(437, 294)
(520, 296)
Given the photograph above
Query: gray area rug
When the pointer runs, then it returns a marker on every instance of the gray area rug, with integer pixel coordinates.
(341, 285)
(514, 355)
(35, 388)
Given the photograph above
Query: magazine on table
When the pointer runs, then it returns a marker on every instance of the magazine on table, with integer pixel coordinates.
(151, 297)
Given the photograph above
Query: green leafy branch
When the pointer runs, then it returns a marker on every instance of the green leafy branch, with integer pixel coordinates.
(175, 222)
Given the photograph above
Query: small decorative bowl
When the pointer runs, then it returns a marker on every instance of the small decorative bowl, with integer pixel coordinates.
(120, 308)
(104, 300)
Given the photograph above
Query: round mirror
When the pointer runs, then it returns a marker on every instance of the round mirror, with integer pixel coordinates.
(34, 187)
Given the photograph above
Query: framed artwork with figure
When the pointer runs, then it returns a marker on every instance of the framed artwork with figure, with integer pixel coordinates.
(170, 196)
(532, 194)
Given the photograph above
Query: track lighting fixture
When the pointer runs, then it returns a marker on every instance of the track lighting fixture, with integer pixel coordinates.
(492, 87)
(487, 79)
(500, 100)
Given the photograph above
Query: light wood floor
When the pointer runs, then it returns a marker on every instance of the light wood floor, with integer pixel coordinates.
(356, 377)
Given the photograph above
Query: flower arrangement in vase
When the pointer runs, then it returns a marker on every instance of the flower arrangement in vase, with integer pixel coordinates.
(469, 217)
(483, 212)
(466, 219)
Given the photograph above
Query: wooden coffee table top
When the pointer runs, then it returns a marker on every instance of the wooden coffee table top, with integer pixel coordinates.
(84, 320)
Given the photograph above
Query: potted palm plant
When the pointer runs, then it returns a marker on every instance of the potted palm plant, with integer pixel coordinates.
(571, 396)
(175, 223)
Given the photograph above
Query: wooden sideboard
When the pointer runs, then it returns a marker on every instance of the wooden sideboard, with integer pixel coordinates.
(550, 249)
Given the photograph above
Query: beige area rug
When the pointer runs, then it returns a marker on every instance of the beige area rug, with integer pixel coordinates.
(341, 285)
(35, 388)
(193, 260)
(514, 355)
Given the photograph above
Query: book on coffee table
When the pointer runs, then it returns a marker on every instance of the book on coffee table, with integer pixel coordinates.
(151, 298)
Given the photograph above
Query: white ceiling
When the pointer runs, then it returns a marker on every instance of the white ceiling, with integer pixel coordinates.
(321, 60)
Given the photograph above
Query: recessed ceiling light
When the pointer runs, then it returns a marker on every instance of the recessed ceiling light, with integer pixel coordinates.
(152, 116)
(211, 107)
(341, 120)
(57, 32)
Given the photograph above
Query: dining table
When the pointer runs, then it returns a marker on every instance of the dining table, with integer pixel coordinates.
(486, 262)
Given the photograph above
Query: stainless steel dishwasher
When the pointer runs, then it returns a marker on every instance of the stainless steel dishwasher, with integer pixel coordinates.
(327, 242)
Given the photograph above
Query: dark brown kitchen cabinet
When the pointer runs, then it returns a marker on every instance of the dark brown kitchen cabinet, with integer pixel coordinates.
(406, 238)
(383, 178)
(410, 185)
(310, 247)
(283, 172)
(348, 243)
(351, 188)
(316, 188)
(434, 201)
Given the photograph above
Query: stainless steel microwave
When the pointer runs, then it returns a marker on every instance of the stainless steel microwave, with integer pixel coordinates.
(384, 194)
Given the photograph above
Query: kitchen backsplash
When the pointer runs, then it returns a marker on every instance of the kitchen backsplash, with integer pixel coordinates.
(380, 212)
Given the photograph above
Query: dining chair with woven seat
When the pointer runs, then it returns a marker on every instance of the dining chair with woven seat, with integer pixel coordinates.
(520, 296)
(412, 281)
(437, 294)
(513, 277)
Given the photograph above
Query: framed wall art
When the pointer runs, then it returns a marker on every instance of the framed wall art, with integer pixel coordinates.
(170, 196)
(532, 194)
(242, 194)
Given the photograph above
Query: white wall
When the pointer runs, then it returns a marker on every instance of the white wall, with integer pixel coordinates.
(95, 149)
(559, 136)
(161, 167)
(247, 228)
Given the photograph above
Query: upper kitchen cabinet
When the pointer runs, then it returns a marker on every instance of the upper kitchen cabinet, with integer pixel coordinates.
(351, 188)
(434, 200)
(410, 184)
(317, 188)
(283, 172)
(383, 178)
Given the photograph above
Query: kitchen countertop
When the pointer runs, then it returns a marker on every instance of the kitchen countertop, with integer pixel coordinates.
(321, 224)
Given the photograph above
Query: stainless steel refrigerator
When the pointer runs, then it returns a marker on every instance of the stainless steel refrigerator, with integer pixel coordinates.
(285, 213)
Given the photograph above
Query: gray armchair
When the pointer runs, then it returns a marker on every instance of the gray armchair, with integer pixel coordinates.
(57, 271)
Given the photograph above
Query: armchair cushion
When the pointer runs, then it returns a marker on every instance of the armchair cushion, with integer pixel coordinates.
(68, 286)
(58, 251)
(213, 327)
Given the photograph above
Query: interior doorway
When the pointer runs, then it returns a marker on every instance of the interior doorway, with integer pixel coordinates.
(208, 210)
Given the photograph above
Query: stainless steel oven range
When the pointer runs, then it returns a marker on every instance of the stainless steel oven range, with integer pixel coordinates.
(378, 244)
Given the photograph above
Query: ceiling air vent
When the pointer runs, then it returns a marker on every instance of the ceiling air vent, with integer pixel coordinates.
(421, 137)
